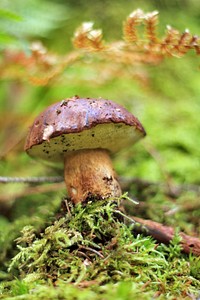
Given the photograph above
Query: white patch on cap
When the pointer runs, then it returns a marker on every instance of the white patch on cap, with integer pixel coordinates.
(47, 132)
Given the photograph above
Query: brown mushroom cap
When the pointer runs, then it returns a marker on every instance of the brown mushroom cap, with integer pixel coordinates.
(79, 123)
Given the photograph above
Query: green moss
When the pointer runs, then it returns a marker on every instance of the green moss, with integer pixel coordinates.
(90, 247)
(40, 214)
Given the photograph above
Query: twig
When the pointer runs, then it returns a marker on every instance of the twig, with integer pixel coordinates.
(67, 206)
(91, 249)
(124, 181)
(164, 234)
(43, 179)
(124, 215)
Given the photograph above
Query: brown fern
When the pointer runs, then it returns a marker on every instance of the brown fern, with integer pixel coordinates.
(140, 45)
(177, 44)
(151, 22)
(130, 26)
(88, 38)
(172, 43)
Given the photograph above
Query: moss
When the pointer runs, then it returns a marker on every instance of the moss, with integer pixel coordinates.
(41, 214)
(88, 252)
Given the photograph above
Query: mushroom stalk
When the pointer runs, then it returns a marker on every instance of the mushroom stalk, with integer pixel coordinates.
(89, 174)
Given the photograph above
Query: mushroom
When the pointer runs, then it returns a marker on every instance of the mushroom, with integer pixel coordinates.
(83, 133)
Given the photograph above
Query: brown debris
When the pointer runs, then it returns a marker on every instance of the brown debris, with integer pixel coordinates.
(164, 234)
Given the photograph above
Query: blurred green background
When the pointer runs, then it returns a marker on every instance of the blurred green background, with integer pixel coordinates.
(165, 97)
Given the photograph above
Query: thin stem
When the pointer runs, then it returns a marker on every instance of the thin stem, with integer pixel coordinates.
(125, 216)
(43, 179)
(92, 250)
(125, 183)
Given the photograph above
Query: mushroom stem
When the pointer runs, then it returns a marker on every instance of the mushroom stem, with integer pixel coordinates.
(89, 174)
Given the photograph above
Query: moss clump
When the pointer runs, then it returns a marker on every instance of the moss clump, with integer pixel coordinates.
(41, 213)
(92, 248)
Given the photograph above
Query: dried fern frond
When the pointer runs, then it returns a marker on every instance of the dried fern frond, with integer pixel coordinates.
(140, 45)
(88, 38)
(151, 22)
(137, 18)
(130, 26)
(195, 43)
(169, 40)
(178, 44)
(173, 43)
(55, 71)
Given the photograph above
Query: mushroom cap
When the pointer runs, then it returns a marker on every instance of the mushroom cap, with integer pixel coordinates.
(82, 123)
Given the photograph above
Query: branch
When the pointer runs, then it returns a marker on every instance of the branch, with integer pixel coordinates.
(44, 179)
(164, 234)
(140, 45)
(125, 182)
